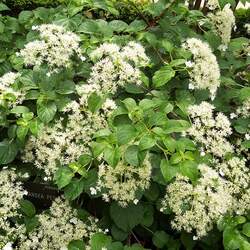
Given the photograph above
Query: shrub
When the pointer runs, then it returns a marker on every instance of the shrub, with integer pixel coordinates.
(125, 131)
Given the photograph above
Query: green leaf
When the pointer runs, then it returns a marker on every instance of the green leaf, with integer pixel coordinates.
(94, 102)
(126, 218)
(134, 89)
(78, 168)
(167, 45)
(146, 142)
(19, 110)
(27, 208)
(31, 223)
(131, 155)
(118, 234)
(189, 169)
(89, 27)
(100, 241)
(46, 111)
(65, 87)
(22, 132)
(25, 16)
(231, 238)
(176, 126)
(246, 229)
(74, 189)
(125, 133)
(187, 241)
(63, 176)
(84, 159)
(148, 215)
(112, 156)
(118, 25)
(160, 239)
(8, 151)
(3, 7)
(136, 25)
(162, 76)
(168, 171)
(76, 245)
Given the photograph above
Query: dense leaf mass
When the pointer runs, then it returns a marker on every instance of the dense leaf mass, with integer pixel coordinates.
(124, 125)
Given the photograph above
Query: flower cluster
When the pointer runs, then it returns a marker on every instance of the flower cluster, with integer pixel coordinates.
(244, 110)
(116, 66)
(223, 21)
(238, 174)
(204, 69)
(58, 227)
(212, 4)
(7, 90)
(123, 182)
(64, 143)
(209, 129)
(11, 193)
(198, 207)
(55, 48)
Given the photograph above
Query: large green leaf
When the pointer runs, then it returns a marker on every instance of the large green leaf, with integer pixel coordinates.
(46, 111)
(63, 176)
(163, 75)
(8, 151)
(125, 133)
(126, 218)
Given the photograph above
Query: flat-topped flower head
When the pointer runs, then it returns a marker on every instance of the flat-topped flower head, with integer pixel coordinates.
(123, 182)
(116, 66)
(210, 129)
(223, 22)
(198, 207)
(7, 90)
(58, 227)
(204, 70)
(56, 47)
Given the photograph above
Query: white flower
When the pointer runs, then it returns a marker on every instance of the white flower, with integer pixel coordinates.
(8, 246)
(58, 228)
(189, 64)
(210, 130)
(123, 182)
(197, 207)
(233, 115)
(205, 71)
(93, 191)
(115, 66)
(135, 201)
(55, 48)
(247, 136)
(223, 21)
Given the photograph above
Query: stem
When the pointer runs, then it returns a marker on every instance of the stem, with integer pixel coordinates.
(197, 4)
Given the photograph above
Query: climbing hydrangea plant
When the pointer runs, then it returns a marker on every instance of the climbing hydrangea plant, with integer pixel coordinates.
(125, 125)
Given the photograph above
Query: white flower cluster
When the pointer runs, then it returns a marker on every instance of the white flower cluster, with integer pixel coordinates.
(244, 110)
(123, 182)
(238, 174)
(223, 22)
(116, 66)
(11, 193)
(198, 207)
(204, 69)
(56, 47)
(58, 227)
(65, 143)
(209, 129)
(212, 4)
(6, 88)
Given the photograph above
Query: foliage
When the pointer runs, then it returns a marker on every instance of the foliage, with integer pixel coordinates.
(135, 114)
